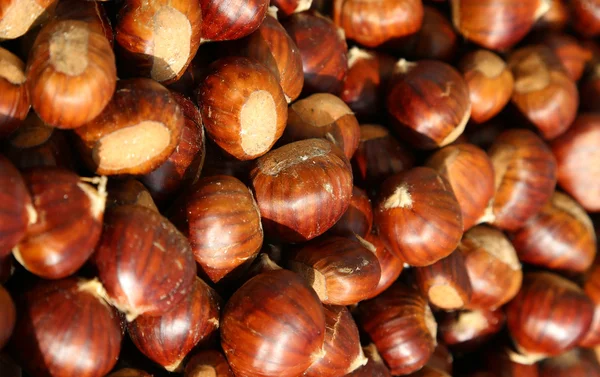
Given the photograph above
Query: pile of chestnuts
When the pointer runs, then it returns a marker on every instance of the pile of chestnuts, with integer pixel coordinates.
(286, 188)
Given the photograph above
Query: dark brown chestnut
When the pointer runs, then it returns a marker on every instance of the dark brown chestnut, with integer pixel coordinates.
(577, 362)
(418, 216)
(8, 316)
(585, 16)
(302, 189)
(129, 191)
(274, 325)
(18, 16)
(391, 266)
(358, 218)
(500, 360)
(146, 266)
(208, 363)
(14, 104)
(592, 290)
(229, 20)
(470, 329)
(429, 102)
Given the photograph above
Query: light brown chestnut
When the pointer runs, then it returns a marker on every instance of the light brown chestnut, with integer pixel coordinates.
(375, 22)
(358, 218)
(326, 116)
(525, 174)
(490, 83)
(158, 39)
(585, 16)
(302, 189)
(471, 175)
(493, 267)
(243, 107)
(229, 20)
(14, 104)
(470, 329)
(287, 7)
(208, 363)
(592, 290)
(138, 130)
(8, 317)
(129, 191)
(429, 103)
(18, 16)
(418, 216)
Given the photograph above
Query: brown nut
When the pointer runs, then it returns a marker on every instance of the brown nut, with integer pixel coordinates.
(14, 104)
(229, 20)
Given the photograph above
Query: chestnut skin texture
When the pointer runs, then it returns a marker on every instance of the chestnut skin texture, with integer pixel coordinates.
(58, 317)
(207, 362)
(15, 207)
(8, 316)
(358, 218)
(274, 325)
(225, 20)
(391, 266)
(549, 315)
(14, 104)
(302, 189)
(145, 264)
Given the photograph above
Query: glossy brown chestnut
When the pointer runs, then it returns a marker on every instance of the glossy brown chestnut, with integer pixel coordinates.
(231, 19)
(342, 271)
(544, 93)
(243, 107)
(358, 218)
(272, 46)
(302, 189)
(418, 216)
(68, 223)
(323, 49)
(496, 24)
(323, 115)
(401, 325)
(490, 83)
(343, 353)
(525, 172)
(549, 315)
(468, 330)
(374, 22)
(129, 191)
(287, 7)
(220, 218)
(391, 266)
(577, 154)
(445, 283)
(274, 325)
(379, 155)
(208, 363)
(471, 175)
(158, 39)
(60, 318)
(138, 130)
(71, 73)
(8, 316)
(16, 209)
(184, 165)
(592, 290)
(14, 104)
(429, 102)
(375, 367)
(572, 54)
(145, 264)
(578, 362)
(169, 338)
(560, 237)
(585, 16)
(493, 267)
(18, 16)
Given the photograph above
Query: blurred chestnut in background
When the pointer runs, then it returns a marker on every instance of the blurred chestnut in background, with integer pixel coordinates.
(585, 17)
(358, 218)
(577, 155)
(418, 216)
(274, 325)
(578, 362)
(375, 22)
(569, 51)
(441, 359)
(391, 266)
(592, 290)
(14, 104)
(323, 49)
(549, 315)
(232, 19)
(467, 330)
(555, 18)
(243, 107)
(525, 172)
(8, 316)
(208, 363)
(18, 16)
(490, 83)
(302, 189)
(429, 102)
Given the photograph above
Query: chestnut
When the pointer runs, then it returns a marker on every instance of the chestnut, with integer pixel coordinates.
(229, 20)
(576, 153)
(323, 50)
(418, 216)
(68, 222)
(429, 103)
(391, 266)
(445, 283)
(288, 7)
(492, 265)
(60, 318)
(585, 16)
(129, 191)
(302, 189)
(221, 219)
(592, 290)
(71, 73)
(8, 316)
(556, 18)
(560, 237)
(326, 116)
(158, 39)
(169, 338)
(471, 175)
(18, 16)
(208, 363)
(467, 330)
(525, 174)
(138, 130)
(402, 327)
(490, 83)
(243, 107)
(577, 362)
(545, 307)
(441, 359)
(375, 367)
(572, 54)
(373, 23)
(505, 362)
(543, 92)
(342, 271)
(129, 372)
(274, 325)
(146, 266)
(14, 104)
(358, 218)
